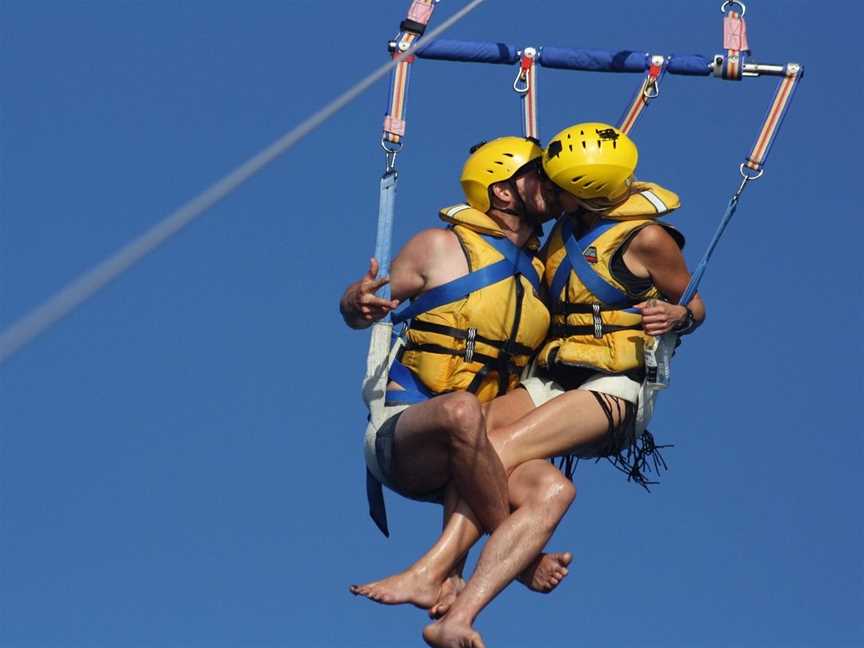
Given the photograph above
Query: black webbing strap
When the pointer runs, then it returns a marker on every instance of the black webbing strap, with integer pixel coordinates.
(465, 334)
(567, 330)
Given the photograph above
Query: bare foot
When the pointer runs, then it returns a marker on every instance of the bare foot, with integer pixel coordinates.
(406, 587)
(546, 572)
(451, 634)
(450, 589)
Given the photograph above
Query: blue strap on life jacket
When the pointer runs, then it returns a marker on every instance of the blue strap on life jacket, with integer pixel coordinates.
(575, 261)
(515, 261)
(521, 259)
(563, 271)
(413, 391)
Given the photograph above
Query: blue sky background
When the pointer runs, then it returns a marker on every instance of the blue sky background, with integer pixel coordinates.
(180, 459)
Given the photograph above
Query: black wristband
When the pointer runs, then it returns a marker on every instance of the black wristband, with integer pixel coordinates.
(689, 324)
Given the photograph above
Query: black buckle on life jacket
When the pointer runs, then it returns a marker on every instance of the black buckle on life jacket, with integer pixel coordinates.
(470, 344)
(598, 321)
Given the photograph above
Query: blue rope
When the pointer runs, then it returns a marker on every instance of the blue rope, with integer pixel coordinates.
(386, 212)
(696, 277)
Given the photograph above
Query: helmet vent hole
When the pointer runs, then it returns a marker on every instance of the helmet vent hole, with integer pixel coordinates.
(499, 162)
(571, 147)
(583, 144)
(588, 184)
(490, 171)
(576, 179)
(509, 154)
(614, 144)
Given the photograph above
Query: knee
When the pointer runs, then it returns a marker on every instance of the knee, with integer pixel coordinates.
(463, 419)
(556, 492)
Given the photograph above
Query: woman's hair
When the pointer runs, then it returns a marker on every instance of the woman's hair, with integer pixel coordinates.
(597, 205)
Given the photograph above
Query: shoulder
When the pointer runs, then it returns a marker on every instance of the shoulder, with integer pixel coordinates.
(653, 239)
(429, 249)
(433, 240)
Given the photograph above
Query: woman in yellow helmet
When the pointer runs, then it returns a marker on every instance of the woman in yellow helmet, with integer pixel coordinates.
(475, 320)
(614, 275)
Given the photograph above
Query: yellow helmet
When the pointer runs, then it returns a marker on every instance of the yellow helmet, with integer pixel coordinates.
(591, 160)
(495, 161)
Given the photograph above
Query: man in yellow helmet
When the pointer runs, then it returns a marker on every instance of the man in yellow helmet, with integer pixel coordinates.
(475, 320)
(613, 276)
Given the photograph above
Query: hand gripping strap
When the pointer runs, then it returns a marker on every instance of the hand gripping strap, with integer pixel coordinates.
(515, 261)
(574, 261)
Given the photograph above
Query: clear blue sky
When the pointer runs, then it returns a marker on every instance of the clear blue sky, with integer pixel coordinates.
(180, 460)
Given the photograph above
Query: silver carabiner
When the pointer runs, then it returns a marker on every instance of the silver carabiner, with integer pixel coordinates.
(747, 177)
(391, 150)
(652, 89)
(520, 85)
(728, 3)
(750, 176)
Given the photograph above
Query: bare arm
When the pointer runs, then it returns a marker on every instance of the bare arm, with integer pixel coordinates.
(654, 253)
(420, 265)
(360, 306)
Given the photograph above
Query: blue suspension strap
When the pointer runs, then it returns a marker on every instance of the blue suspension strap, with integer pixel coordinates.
(378, 357)
(753, 166)
(658, 358)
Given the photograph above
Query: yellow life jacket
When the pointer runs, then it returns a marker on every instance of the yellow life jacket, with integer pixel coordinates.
(477, 332)
(593, 322)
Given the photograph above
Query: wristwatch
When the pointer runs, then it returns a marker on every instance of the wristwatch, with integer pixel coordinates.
(687, 325)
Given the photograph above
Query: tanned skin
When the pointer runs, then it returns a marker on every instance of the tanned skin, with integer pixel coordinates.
(562, 425)
(443, 441)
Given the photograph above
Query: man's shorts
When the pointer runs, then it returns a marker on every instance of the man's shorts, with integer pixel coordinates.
(378, 450)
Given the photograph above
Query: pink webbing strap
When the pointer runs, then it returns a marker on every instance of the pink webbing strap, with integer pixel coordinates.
(782, 99)
(735, 32)
(735, 44)
(650, 89)
(420, 13)
(526, 86)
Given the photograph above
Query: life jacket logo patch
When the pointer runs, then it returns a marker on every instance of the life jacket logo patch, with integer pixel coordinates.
(590, 254)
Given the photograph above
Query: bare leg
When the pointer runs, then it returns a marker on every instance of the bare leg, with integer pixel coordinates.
(424, 431)
(422, 583)
(454, 583)
(510, 550)
(445, 439)
(567, 422)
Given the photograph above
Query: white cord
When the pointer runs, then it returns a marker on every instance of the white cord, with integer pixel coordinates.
(89, 283)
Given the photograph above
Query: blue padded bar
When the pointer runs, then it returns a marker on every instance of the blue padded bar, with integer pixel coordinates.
(689, 65)
(593, 60)
(468, 52)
